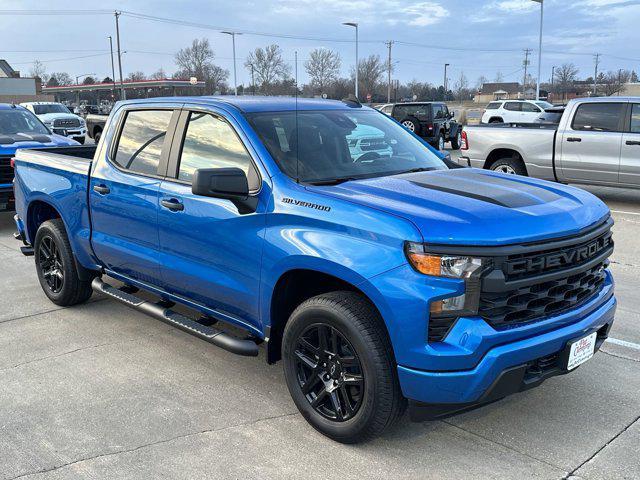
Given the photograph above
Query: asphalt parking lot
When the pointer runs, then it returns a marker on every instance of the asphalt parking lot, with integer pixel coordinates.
(100, 391)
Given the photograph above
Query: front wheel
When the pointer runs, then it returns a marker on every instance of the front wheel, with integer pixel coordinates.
(456, 142)
(441, 142)
(56, 267)
(510, 166)
(340, 369)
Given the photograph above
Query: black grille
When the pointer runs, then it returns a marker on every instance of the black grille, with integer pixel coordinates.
(439, 327)
(541, 300)
(6, 172)
(66, 122)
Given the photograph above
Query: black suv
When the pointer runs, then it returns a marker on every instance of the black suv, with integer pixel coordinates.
(431, 120)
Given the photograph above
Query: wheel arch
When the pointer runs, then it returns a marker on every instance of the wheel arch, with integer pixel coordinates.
(499, 153)
(296, 285)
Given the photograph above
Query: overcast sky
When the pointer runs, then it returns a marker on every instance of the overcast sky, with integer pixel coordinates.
(574, 30)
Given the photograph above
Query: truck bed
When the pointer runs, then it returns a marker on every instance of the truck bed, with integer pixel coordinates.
(76, 159)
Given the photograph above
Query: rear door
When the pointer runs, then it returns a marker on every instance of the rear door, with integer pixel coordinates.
(210, 251)
(590, 145)
(512, 112)
(123, 192)
(630, 149)
(530, 112)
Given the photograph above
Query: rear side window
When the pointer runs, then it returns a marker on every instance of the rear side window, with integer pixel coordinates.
(210, 142)
(141, 140)
(513, 106)
(600, 117)
(387, 109)
(530, 107)
(493, 106)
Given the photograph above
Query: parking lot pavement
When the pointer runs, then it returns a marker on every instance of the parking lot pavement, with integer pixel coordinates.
(100, 391)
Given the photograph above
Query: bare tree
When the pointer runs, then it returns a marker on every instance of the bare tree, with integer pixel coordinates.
(481, 81)
(370, 72)
(159, 74)
(197, 61)
(267, 66)
(613, 82)
(499, 78)
(565, 78)
(39, 70)
(59, 79)
(462, 88)
(323, 68)
(136, 76)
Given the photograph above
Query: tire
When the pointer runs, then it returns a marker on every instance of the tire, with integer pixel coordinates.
(96, 136)
(362, 375)
(80, 140)
(57, 270)
(456, 142)
(510, 166)
(441, 142)
(412, 124)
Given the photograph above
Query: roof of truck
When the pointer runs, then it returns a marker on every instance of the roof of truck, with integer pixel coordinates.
(249, 104)
(9, 106)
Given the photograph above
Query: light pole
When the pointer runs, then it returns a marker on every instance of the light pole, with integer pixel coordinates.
(233, 42)
(541, 2)
(355, 25)
(113, 68)
(444, 85)
(78, 77)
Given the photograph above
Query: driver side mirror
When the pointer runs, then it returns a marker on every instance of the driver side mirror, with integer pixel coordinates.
(452, 114)
(227, 183)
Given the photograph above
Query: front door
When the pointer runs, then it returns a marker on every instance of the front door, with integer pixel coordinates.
(210, 251)
(123, 194)
(630, 151)
(590, 146)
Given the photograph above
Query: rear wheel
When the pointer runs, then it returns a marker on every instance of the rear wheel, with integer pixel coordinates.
(510, 166)
(339, 367)
(441, 142)
(412, 124)
(96, 136)
(56, 267)
(456, 142)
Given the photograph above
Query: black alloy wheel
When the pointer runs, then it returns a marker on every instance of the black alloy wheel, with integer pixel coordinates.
(50, 263)
(329, 372)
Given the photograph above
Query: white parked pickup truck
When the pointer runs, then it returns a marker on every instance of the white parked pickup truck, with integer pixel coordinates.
(597, 142)
(59, 119)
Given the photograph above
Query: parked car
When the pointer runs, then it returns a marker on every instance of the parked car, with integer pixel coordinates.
(59, 119)
(514, 111)
(430, 120)
(95, 125)
(597, 142)
(377, 283)
(19, 128)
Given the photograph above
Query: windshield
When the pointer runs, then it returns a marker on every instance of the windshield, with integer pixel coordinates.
(50, 108)
(544, 105)
(334, 146)
(15, 120)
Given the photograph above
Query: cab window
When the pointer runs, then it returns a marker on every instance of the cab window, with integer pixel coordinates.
(600, 117)
(141, 140)
(210, 142)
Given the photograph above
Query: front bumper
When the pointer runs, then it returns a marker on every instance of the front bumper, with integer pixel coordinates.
(509, 367)
(70, 132)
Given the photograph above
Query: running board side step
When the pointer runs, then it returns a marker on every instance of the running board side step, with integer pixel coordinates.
(247, 348)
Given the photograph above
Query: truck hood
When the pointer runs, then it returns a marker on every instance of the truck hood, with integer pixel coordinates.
(469, 206)
(9, 143)
(50, 117)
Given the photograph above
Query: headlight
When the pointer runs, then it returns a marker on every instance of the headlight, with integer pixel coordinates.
(468, 269)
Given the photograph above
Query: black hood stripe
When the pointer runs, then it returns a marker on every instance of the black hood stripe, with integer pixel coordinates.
(485, 188)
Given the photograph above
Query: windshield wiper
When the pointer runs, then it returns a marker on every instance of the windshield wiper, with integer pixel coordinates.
(415, 170)
(333, 181)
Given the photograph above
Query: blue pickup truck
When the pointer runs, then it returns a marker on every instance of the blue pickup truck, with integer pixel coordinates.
(20, 128)
(381, 281)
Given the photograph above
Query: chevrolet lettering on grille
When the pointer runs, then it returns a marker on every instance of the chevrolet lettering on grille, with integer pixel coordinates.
(564, 258)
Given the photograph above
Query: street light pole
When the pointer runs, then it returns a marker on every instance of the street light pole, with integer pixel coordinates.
(541, 2)
(122, 94)
(446, 65)
(78, 77)
(355, 25)
(233, 42)
(113, 68)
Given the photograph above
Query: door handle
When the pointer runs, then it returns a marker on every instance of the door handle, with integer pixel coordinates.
(172, 204)
(574, 139)
(101, 189)
(632, 142)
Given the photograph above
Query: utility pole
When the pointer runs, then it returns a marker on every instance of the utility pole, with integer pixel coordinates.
(446, 65)
(117, 15)
(296, 70)
(541, 2)
(233, 42)
(596, 57)
(389, 43)
(526, 63)
(113, 69)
